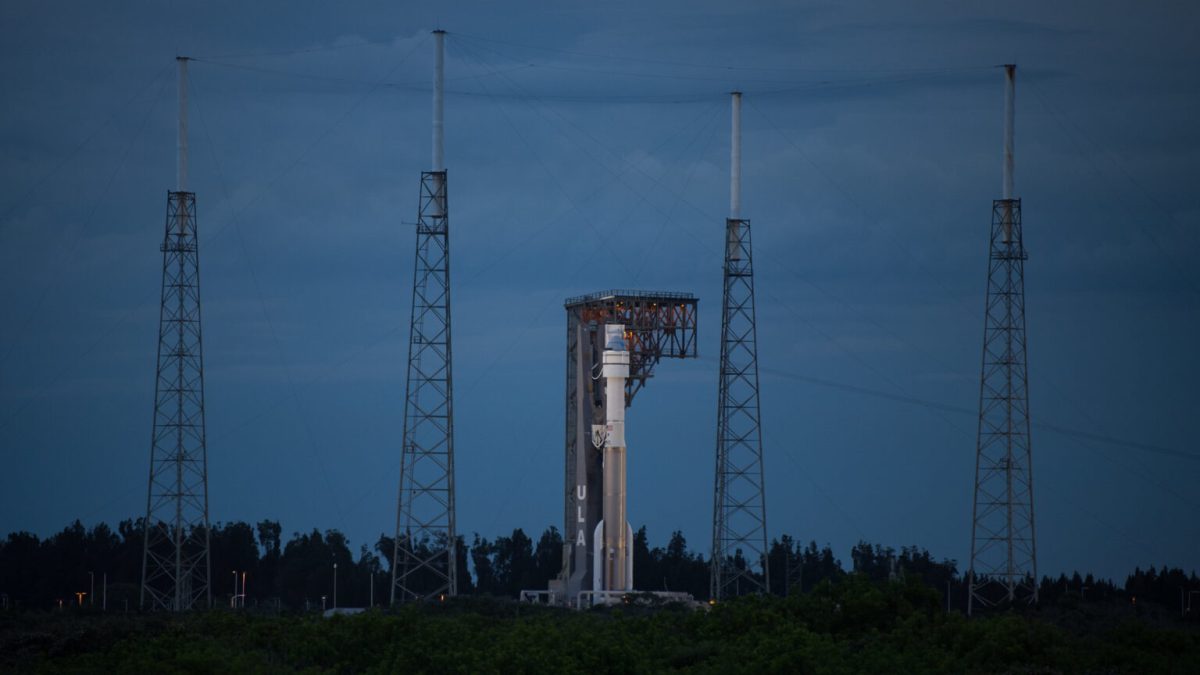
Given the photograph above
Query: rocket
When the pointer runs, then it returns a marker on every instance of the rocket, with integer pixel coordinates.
(612, 564)
(614, 340)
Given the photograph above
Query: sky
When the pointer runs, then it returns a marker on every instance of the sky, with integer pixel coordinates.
(587, 148)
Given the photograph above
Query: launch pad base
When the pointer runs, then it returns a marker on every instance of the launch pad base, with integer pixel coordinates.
(590, 599)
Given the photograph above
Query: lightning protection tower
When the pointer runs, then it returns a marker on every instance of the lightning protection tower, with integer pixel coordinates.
(175, 554)
(423, 562)
(739, 557)
(1003, 568)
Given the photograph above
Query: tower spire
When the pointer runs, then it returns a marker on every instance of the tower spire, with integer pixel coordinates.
(1010, 102)
(439, 82)
(181, 175)
(735, 155)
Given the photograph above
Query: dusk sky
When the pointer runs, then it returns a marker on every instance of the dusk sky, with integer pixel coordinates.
(587, 148)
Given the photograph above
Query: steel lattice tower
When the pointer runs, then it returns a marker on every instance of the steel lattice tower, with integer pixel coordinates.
(175, 554)
(425, 546)
(1003, 569)
(739, 510)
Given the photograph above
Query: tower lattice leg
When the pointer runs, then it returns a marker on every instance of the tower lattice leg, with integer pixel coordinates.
(424, 560)
(1003, 569)
(739, 559)
(175, 559)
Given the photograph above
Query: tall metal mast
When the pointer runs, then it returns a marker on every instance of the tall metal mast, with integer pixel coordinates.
(739, 557)
(175, 556)
(1003, 569)
(425, 547)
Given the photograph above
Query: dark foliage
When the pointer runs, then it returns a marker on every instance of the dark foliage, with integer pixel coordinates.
(295, 574)
(851, 625)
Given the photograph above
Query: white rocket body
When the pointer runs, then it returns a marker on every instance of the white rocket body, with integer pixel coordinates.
(613, 562)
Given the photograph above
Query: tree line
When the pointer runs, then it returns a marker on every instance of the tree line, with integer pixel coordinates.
(254, 561)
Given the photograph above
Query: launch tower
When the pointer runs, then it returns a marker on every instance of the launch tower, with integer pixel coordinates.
(614, 341)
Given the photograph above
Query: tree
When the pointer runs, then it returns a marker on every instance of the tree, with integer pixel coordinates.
(512, 560)
(270, 545)
(232, 549)
(646, 565)
(306, 568)
(547, 558)
(481, 560)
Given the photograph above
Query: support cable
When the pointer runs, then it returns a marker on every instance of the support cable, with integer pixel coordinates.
(1057, 390)
(316, 140)
(689, 173)
(706, 66)
(497, 258)
(83, 144)
(562, 188)
(1074, 133)
(18, 334)
(303, 417)
(234, 215)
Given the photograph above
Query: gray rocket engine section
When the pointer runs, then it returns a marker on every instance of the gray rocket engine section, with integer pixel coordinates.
(614, 340)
